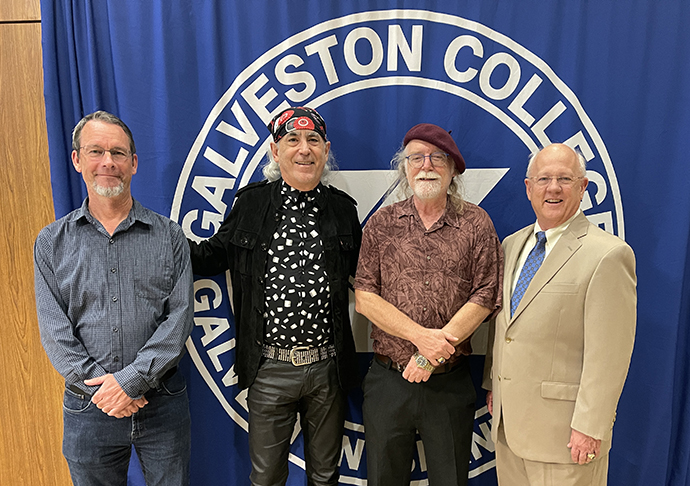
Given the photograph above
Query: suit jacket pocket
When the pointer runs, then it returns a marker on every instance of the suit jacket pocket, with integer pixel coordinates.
(558, 390)
(561, 288)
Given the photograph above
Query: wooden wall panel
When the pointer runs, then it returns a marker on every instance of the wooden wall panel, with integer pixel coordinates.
(30, 389)
(19, 10)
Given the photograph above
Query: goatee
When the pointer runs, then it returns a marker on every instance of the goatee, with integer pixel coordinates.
(109, 191)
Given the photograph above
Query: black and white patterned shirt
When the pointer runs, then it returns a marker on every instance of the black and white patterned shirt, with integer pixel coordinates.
(297, 290)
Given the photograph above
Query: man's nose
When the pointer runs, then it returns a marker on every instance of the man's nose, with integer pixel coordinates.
(426, 164)
(107, 158)
(303, 145)
(553, 184)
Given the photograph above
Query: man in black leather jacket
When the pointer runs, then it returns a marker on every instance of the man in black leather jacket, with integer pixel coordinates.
(291, 244)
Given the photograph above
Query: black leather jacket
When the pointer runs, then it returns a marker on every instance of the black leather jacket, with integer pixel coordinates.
(241, 245)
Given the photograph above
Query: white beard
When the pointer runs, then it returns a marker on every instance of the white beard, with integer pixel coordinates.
(427, 189)
(109, 191)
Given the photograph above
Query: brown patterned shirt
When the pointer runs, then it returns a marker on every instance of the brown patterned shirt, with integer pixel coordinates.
(429, 274)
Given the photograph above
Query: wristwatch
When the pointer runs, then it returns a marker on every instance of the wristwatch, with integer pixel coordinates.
(423, 363)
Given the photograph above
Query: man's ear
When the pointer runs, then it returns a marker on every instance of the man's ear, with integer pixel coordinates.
(75, 161)
(274, 151)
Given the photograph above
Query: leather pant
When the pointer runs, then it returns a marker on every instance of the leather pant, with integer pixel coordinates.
(279, 393)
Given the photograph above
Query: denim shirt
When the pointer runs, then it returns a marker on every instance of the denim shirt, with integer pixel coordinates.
(119, 303)
(241, 246)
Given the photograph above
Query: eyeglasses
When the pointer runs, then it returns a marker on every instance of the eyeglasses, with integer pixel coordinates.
(561, 181)
(96, 153)
(438, 159)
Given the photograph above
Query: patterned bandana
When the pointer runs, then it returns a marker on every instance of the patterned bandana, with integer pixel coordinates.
(297, 118)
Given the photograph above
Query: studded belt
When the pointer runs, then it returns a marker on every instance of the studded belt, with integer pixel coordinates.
(299, 355)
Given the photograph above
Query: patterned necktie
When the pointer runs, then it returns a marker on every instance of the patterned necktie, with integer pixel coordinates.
(532, 264)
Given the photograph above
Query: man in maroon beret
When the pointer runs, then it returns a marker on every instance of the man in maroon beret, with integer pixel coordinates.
(430, 271)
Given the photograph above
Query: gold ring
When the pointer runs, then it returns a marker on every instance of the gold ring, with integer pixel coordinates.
(441, 360)
(591, 456)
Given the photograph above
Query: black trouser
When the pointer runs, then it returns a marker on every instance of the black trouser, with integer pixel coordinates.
(281, 391)
(441, 409)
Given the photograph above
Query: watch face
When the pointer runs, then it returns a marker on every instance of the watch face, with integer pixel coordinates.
(421, 360)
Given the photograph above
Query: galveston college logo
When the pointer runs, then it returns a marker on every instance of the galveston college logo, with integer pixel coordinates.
(373, 75)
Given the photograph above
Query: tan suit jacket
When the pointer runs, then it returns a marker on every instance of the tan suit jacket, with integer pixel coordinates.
(561, 361)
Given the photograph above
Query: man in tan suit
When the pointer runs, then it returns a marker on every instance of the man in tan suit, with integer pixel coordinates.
(563, 339)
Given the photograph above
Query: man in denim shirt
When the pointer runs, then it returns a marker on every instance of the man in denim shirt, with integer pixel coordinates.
(291, 246)
(113, 294)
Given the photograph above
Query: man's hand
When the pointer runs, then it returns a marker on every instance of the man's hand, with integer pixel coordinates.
(490, 402)
(434, 344)
(581, 445)
(415, 374)
(111, 398)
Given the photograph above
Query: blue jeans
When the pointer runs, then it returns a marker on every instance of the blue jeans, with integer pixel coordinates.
(98, 447)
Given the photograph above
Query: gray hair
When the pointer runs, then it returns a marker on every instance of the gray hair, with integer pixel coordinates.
(399, 164)
(582, 162)
(105, 117)
(271, 169)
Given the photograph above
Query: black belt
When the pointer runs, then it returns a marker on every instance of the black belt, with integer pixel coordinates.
(81, 393)
(439, 370)
(85, 396)
(299, 355)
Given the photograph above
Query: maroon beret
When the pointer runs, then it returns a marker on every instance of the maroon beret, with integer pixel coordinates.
(436, 135)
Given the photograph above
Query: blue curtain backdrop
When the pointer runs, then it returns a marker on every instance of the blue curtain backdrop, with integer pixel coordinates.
(196, 82)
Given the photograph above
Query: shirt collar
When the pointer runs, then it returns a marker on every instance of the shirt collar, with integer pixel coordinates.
(136, 213)
(290, 194)
(554, 233)
(449, 216)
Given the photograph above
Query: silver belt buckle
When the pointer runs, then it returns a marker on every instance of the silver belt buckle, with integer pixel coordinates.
(293, 357)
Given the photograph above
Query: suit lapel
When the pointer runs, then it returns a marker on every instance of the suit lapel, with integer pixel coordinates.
(512, 254)
(566, 247)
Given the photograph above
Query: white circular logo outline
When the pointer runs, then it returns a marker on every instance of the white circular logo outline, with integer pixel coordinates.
(382, 15)
(369, 83)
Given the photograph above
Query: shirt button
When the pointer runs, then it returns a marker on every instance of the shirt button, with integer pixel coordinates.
(426, 283)
(508, 340)
(114, 299)
(113, 270)
(115, 329)
(424, 309)
(428, 257)
(111, 241)
(264, 246)
(116, 359)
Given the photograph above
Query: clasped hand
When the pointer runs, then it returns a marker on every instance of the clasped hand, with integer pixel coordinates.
(112, 399)
(432, 344)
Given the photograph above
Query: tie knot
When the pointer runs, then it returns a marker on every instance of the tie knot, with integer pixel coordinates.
(541, 237)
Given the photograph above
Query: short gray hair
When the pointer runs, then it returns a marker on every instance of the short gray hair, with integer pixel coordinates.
(105, 117)
(399, 164)
(582, 162)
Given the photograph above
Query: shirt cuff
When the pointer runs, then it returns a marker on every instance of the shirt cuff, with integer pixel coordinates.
(133, 384)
